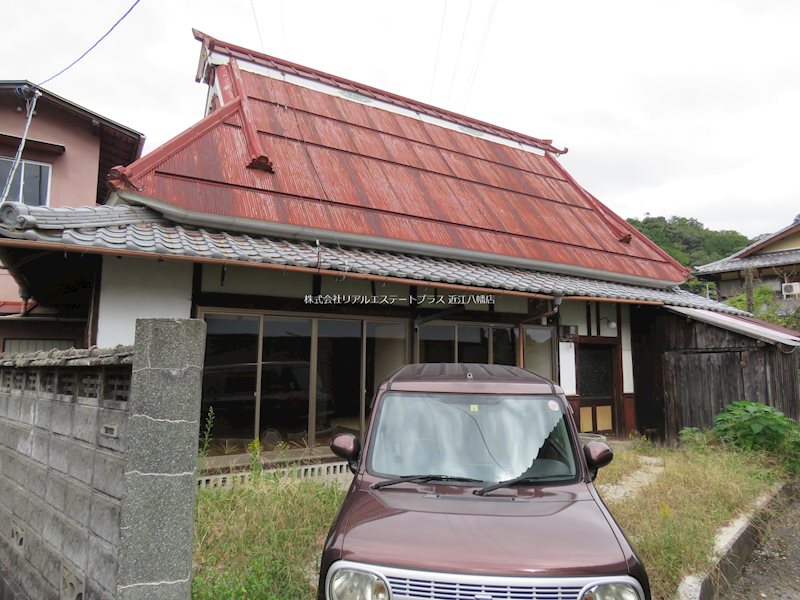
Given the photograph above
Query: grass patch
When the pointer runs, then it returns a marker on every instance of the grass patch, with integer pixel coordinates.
(672, 524)
(626, 462)
(256, 541)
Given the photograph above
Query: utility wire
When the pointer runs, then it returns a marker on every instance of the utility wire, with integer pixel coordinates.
(438, 48)
(458, 56)
(477, 63)
(30, 104)
(258, 29)
(92, 47)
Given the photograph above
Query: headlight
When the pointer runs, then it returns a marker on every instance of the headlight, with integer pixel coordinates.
(348, 584)
(611, 591)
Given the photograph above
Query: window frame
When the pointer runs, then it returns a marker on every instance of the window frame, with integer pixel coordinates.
(21, 171)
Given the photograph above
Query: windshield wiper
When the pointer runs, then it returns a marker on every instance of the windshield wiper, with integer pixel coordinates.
(521, 479)
(421, 479)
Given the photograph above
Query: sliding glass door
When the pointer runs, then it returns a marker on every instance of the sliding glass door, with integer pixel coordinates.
(285, 382)
(338, 402)
(293, 382)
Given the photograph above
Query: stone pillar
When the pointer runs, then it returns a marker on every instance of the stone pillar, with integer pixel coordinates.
(159, 480)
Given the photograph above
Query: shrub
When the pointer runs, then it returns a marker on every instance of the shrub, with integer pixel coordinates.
(753, 426)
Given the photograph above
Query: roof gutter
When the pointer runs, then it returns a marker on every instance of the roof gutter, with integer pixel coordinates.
(307, 233)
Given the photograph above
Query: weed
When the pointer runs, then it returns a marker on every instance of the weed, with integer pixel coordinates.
(640, 442)
(205, 439)
(696, 439)
(254, 452)
(260, 540)
(672, 525)
(756, 426)
(753, 425)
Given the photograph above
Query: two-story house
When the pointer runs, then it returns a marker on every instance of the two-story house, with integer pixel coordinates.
(773, 260)
(67, 153)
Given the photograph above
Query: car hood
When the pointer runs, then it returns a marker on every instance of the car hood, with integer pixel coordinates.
(449, 529)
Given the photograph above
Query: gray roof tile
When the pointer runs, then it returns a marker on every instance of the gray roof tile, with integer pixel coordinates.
(127, 228)
(756, 261)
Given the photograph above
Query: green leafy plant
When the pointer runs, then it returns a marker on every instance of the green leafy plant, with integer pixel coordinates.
(753, 426)
(767, 307)
(254, 451)
(693, 438)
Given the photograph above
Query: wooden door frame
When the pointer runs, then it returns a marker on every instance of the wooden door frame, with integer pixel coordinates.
(614, 343)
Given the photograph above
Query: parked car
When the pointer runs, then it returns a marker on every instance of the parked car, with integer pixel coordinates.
(472, 485)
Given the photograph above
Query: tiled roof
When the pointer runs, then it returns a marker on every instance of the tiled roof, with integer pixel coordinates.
(323, 160)
(757, 255)
(140, 230)
(754, 261)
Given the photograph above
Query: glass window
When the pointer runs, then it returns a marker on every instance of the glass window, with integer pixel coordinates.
(30, 184)
(285, 382)
(229, 381)
(338, 379)
(595, 371)
(437, 343)
(539, 351)
(504, 345)
(473, 344)
(484, 437)
(386, 351)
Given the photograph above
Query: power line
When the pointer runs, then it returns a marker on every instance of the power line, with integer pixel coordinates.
(458, 56)
(438, 48)
(477, 62)
(92, 47)
(258, 29)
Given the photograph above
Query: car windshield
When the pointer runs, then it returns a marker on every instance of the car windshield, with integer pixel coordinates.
(487, 437)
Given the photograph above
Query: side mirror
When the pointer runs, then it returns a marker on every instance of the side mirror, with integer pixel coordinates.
(347, 446)
(597, 455)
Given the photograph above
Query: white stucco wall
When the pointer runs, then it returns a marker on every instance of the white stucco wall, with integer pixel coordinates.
(134, 288)
(627, 354)
(566, 364)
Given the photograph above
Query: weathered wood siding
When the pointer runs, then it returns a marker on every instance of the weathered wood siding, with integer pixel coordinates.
(685, 372)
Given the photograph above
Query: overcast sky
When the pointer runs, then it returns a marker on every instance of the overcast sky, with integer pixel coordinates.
(686, 108)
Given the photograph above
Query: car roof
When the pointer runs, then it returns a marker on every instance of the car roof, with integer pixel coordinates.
(469, 378)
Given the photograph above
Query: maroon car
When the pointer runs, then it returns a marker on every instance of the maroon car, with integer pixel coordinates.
(472, 485)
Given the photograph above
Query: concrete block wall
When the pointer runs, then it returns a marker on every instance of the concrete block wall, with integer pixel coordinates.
(98, 451)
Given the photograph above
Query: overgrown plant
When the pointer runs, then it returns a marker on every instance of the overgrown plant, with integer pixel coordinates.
(756, 426)
(696, 439)
(753, 426)
(205, 439)
(254, 451)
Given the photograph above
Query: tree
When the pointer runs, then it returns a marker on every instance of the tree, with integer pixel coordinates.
(688, 241)
(766, 307)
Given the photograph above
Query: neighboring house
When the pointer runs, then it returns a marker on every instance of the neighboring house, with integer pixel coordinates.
(773, 260)
(68, 152)
(329, 232)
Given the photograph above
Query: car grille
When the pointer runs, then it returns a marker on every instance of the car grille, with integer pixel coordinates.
(414, 589)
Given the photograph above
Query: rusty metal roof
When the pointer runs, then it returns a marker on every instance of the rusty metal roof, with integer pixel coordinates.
(143, 232)
(327, 162)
